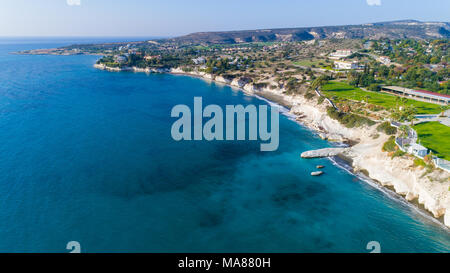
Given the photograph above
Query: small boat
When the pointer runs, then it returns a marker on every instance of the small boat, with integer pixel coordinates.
(320, 166)
(316, 173)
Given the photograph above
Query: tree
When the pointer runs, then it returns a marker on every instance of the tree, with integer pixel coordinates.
(412, 119)
(320, 81)
(404, 129)
(383, 71)
(374, 87)
(443, 109)
(396, 115)
(397, 100)
(410, 113)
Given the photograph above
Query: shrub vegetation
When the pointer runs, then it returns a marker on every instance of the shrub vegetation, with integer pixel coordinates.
(390, 146)
(349, 120)
(387, 128)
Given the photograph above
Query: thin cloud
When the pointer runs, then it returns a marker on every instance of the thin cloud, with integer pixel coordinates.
(374, 2)
(74, 2)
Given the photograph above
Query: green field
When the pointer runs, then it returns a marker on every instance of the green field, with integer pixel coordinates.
(435, 136)
(344, 90)
(310, 63)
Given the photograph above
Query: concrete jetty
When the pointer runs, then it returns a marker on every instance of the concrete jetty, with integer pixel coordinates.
(322, 152)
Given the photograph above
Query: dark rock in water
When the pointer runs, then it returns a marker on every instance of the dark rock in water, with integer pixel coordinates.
(316, 173)
(320, 166)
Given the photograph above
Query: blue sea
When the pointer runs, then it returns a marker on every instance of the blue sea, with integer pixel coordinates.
(87, 156)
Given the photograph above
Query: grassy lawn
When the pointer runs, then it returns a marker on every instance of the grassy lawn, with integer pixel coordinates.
(310, 63)
(344, 90)
(436, 137)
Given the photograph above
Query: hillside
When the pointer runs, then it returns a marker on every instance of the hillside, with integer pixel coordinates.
(393, 30)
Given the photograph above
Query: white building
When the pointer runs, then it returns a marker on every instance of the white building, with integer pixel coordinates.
(417, 150)
(385, 60)
(151, 57)
(341, 53)
(199, 60)
(420, 95)
(121, 59)
(346, 65)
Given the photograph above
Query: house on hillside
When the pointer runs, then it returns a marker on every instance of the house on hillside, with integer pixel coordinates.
(346, 65)
(341, 53)
(151, 57)
(120, 58)
(199, 60)
(385, 60)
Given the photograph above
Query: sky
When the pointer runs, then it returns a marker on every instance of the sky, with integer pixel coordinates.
(165, 18)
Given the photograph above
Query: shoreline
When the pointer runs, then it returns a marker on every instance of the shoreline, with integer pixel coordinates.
(395, 177)
(389, 191)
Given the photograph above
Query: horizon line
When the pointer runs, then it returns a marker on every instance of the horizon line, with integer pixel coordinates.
(213, 31)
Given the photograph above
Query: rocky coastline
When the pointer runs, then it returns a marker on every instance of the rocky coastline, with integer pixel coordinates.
(416, 185)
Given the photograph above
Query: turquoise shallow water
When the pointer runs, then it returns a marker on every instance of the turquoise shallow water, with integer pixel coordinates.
(86, 155)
